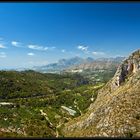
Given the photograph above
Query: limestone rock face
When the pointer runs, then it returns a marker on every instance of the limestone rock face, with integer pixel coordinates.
(129, 66)
(116, 111)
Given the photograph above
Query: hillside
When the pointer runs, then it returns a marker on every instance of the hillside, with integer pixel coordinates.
(33, 104)
(115, 112)
(99, 70)
(96, 70)
(30, 83)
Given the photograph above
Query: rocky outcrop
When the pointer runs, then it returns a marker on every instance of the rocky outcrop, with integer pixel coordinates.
(129, 66)
(116, 111)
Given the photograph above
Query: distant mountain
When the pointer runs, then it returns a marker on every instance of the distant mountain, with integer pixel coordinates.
(68, 65)
(62, 64)
(98, 70)
(98, 64)
(117, 59)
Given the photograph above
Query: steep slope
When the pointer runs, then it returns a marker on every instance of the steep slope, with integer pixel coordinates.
(116, 111)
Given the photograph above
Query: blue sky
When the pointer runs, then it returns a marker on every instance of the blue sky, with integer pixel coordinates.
(41, 33)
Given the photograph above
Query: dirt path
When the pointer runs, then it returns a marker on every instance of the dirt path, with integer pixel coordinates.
(51, 124)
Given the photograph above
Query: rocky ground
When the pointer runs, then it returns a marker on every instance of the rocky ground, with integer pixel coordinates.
(116, 111)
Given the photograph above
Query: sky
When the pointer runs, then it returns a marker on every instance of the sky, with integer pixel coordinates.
(35, 34)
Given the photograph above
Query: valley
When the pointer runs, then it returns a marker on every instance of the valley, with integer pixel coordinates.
(69, 70)
(33, 104)
(70, 104)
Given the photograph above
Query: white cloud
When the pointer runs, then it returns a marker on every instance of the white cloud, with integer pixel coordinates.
(83, 48)
(63, 51)
(3, 54)
(30, 54)
(98, 53)
(37, 47)
(2, 46)
(86, 50)
(15, 44)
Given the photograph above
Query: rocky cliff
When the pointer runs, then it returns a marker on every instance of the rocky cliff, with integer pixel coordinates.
(116, 111)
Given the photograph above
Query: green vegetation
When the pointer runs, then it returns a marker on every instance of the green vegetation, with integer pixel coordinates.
(37, 99)
(98, 76)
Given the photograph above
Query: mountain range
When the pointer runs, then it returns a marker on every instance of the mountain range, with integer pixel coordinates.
(35, 104)
(77, 62)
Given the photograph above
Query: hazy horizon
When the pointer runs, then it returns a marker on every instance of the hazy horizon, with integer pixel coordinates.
(35, 34)
(31, 67)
